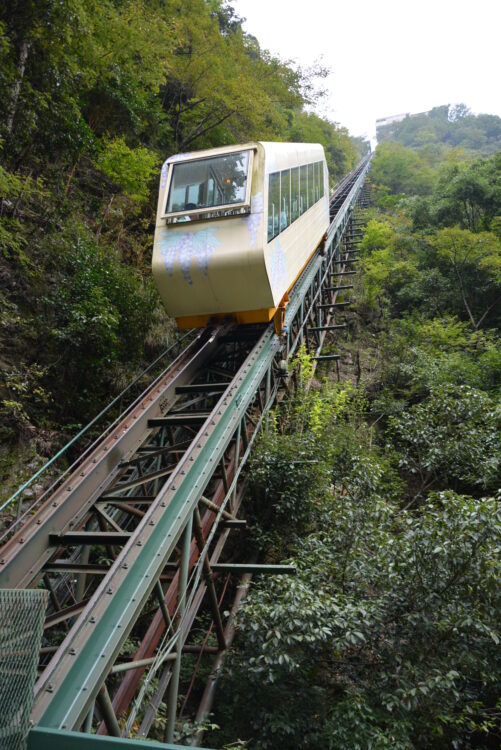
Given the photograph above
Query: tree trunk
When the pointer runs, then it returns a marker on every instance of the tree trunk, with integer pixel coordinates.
(16, 86)
(463, 295)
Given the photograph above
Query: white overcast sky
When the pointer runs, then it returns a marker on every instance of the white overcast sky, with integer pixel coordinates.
(387, 56)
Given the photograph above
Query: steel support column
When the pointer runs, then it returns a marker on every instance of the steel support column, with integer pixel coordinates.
(174, 683)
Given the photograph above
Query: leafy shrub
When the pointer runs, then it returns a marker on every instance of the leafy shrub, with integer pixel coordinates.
(421, 353)
(96, 317)
(129, 168)
(401, 170)
(286, 476)
(14, 189)
(292, 466)
(451, 437)
(387, 636)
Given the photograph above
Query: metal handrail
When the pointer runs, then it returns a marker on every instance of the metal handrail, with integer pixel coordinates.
(85, 429)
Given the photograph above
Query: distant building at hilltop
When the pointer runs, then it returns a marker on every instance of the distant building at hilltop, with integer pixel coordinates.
(383, 124)
(383, 121)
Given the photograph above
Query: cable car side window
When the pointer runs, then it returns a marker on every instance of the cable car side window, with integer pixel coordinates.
(303, 189)
(294, 193)
(321, 179)
(285, 199)
(273, 205)
(311, 186)
(207, 183)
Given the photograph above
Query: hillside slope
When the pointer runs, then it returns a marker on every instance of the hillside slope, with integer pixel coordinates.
(94, 96)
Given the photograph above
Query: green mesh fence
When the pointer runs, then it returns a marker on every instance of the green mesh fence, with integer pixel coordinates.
(21, 626)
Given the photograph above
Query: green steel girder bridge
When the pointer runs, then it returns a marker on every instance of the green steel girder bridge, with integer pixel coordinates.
(144, 531)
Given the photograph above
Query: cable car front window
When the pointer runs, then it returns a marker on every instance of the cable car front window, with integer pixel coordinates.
(207, 183)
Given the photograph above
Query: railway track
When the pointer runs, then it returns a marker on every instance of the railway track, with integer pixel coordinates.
(146, 528)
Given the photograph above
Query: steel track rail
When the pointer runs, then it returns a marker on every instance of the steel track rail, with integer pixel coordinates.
(23, 556)
(210, 462)
(298, 320)
(106, 621)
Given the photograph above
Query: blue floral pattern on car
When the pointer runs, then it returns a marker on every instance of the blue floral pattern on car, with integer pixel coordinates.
(186, 246)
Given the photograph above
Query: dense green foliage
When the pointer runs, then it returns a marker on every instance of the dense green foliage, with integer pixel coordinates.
(94, 96)
(388, 635)
(386, 495)
(401, 170)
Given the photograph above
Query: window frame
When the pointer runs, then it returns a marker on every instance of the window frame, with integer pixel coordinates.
(311, 184)
(303, 169)
(206, 212)
(275, 234)
(321, 167)
(289, 222)
(295, 218)
(318, 170)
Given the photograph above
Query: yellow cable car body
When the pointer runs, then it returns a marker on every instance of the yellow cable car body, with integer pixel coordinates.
(235, 227)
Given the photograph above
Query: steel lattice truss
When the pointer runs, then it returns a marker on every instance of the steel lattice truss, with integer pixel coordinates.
(146, 530)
